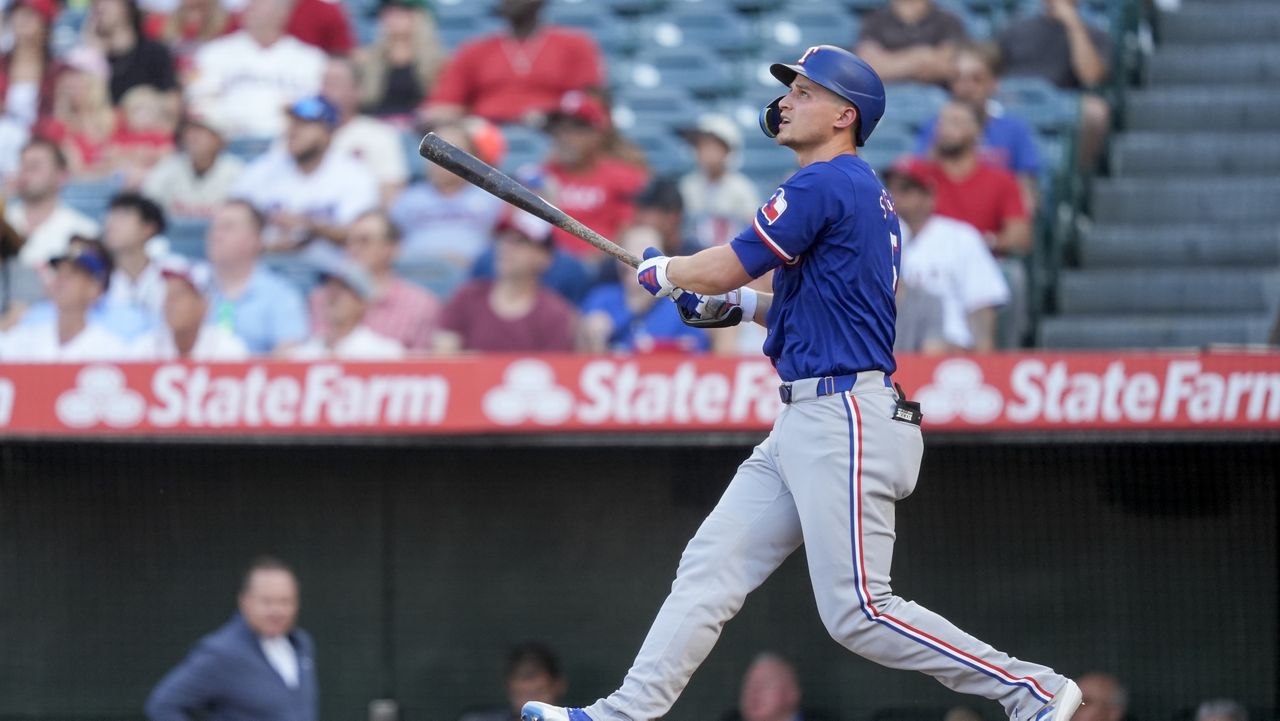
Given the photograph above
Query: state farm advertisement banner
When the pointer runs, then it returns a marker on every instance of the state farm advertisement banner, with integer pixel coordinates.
(567, 393)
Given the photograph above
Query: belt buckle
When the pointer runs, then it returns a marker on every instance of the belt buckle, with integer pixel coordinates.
(784, 392)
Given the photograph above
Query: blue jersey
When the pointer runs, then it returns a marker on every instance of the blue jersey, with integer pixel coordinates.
(831, 232)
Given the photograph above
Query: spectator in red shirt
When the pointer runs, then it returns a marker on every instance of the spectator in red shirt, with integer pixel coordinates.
(591, 186)
(28, 71)
(397, 309)
(323, 24)
(985, 196)
(82, 120)
(516, 76)
(514, 312)
(191, 24)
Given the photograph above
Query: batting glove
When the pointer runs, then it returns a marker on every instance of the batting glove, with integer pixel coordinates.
(652, 273)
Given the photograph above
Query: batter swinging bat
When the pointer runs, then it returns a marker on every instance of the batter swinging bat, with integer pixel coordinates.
(494, 181)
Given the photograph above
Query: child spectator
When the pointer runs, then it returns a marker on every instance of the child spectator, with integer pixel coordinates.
(718, 200)
(144, 134)
(196, 181)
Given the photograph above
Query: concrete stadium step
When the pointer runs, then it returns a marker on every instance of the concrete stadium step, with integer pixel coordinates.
(1182, 244)
(1217, 22)
(1168, 290)
(1213, 153)
(1146, 331)
(1240, 62)
(1192, 200)
(1236, 107)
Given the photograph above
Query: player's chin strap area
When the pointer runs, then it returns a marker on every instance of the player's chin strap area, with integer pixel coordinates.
(771, 117)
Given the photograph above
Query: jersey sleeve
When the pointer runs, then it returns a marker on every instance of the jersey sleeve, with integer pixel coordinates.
(786, 225)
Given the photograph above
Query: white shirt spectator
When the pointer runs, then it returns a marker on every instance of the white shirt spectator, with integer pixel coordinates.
(38, 343)
(13, 135)
(339, 190)
(949, 259)
(361, 344)
(215, 343)
(719, 209)
(245, 87)
(173, 184)
(51, 238)
(282, 657)
(145, 294)
(457, 227)
(375, 145)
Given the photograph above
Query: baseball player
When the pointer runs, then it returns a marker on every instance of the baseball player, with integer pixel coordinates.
(845, 448)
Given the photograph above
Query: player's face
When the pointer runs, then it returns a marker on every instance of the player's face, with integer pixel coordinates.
(809, 114)
(270, 603)
(973, 81)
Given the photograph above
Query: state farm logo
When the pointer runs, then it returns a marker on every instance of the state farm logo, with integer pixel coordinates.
(528, 392)
(100, 396)
(624, 392)
(958, 391)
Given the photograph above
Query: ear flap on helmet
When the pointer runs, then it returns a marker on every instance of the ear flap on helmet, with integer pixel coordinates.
(771, 117)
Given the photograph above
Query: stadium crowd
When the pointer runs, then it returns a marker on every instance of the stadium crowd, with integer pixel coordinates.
(262, 203)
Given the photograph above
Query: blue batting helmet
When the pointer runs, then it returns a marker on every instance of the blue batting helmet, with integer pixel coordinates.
(839, 71)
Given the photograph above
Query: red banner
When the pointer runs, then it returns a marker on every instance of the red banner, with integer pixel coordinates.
(566, 393)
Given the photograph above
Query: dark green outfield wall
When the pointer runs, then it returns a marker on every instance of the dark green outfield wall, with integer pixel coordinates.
(420, 565)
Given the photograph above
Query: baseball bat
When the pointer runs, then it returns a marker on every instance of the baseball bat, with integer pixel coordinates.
(499, 184)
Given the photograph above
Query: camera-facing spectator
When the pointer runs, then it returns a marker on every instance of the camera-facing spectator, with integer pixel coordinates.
(186, 333)
(1059, 46)
(260, 307)
(38, 212)
(947, 258)
(83, 120)
(1221, 709)
(532, 674)
(911, 40)
(519, 74)
(446, 219)
(396, 308)
(345, 292)
(245, 78)
(1105, 698)
(1007, 141)
(623, 316)
(717, 199)
(144, 134)
(400, 66)
(115, 28)
(967, 188)
(592, 186)
(132, 232)
(259, 666)
(771, 692)
(28, 70)
(370, 142)
(309, 192)
(68, 334)
(515, 311)
(195, 181)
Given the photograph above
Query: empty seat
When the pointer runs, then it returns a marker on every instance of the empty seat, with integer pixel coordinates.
(438, 276)
(667, 154)
(1039, 102)
(697, 70)
(525, 146)
(887, 145)
(1207, 23)
(1167, 290)
(1162, 199)
(1181, 244)
(913, 104)
(660, 107)
(459, 29)
(1188, 108)
(1240, 63)
(1153, 331)
(187, 236)
(247, 149)
(800, 27)
(714, 28)
(90, 197)
(610, 32)
(303, 274)
(1212, 153)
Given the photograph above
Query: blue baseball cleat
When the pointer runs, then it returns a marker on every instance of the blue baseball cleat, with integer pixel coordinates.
(537, 711)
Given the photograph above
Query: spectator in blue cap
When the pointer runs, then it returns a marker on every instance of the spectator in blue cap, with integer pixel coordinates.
(309, 194)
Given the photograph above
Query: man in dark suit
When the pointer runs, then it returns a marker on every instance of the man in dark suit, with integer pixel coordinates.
(256, 667)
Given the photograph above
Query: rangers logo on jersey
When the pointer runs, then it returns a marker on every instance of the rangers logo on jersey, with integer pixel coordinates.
(776, 206)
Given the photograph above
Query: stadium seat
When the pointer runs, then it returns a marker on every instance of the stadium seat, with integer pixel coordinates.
(439, 277)
(611, 33)
(1168, 290)
(1039, 103)
(1211, 152)
(713, 28)
(661, 107)
(187, 236)
(90, 197)
(1186, 108)
(456, 30)
(787, 34)
(409, 142)
(1153, 331)
(912, 104)
(248, 149)
(667, 154)
(303, 274)
(887, 145)
(1187, 199)
(525, 146)
(1201, 245)
(697, 70)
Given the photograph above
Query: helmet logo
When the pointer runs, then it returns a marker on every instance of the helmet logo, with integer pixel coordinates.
(807, 53)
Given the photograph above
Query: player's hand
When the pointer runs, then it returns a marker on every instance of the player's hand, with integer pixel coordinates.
(652, 273)
(716, 311)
